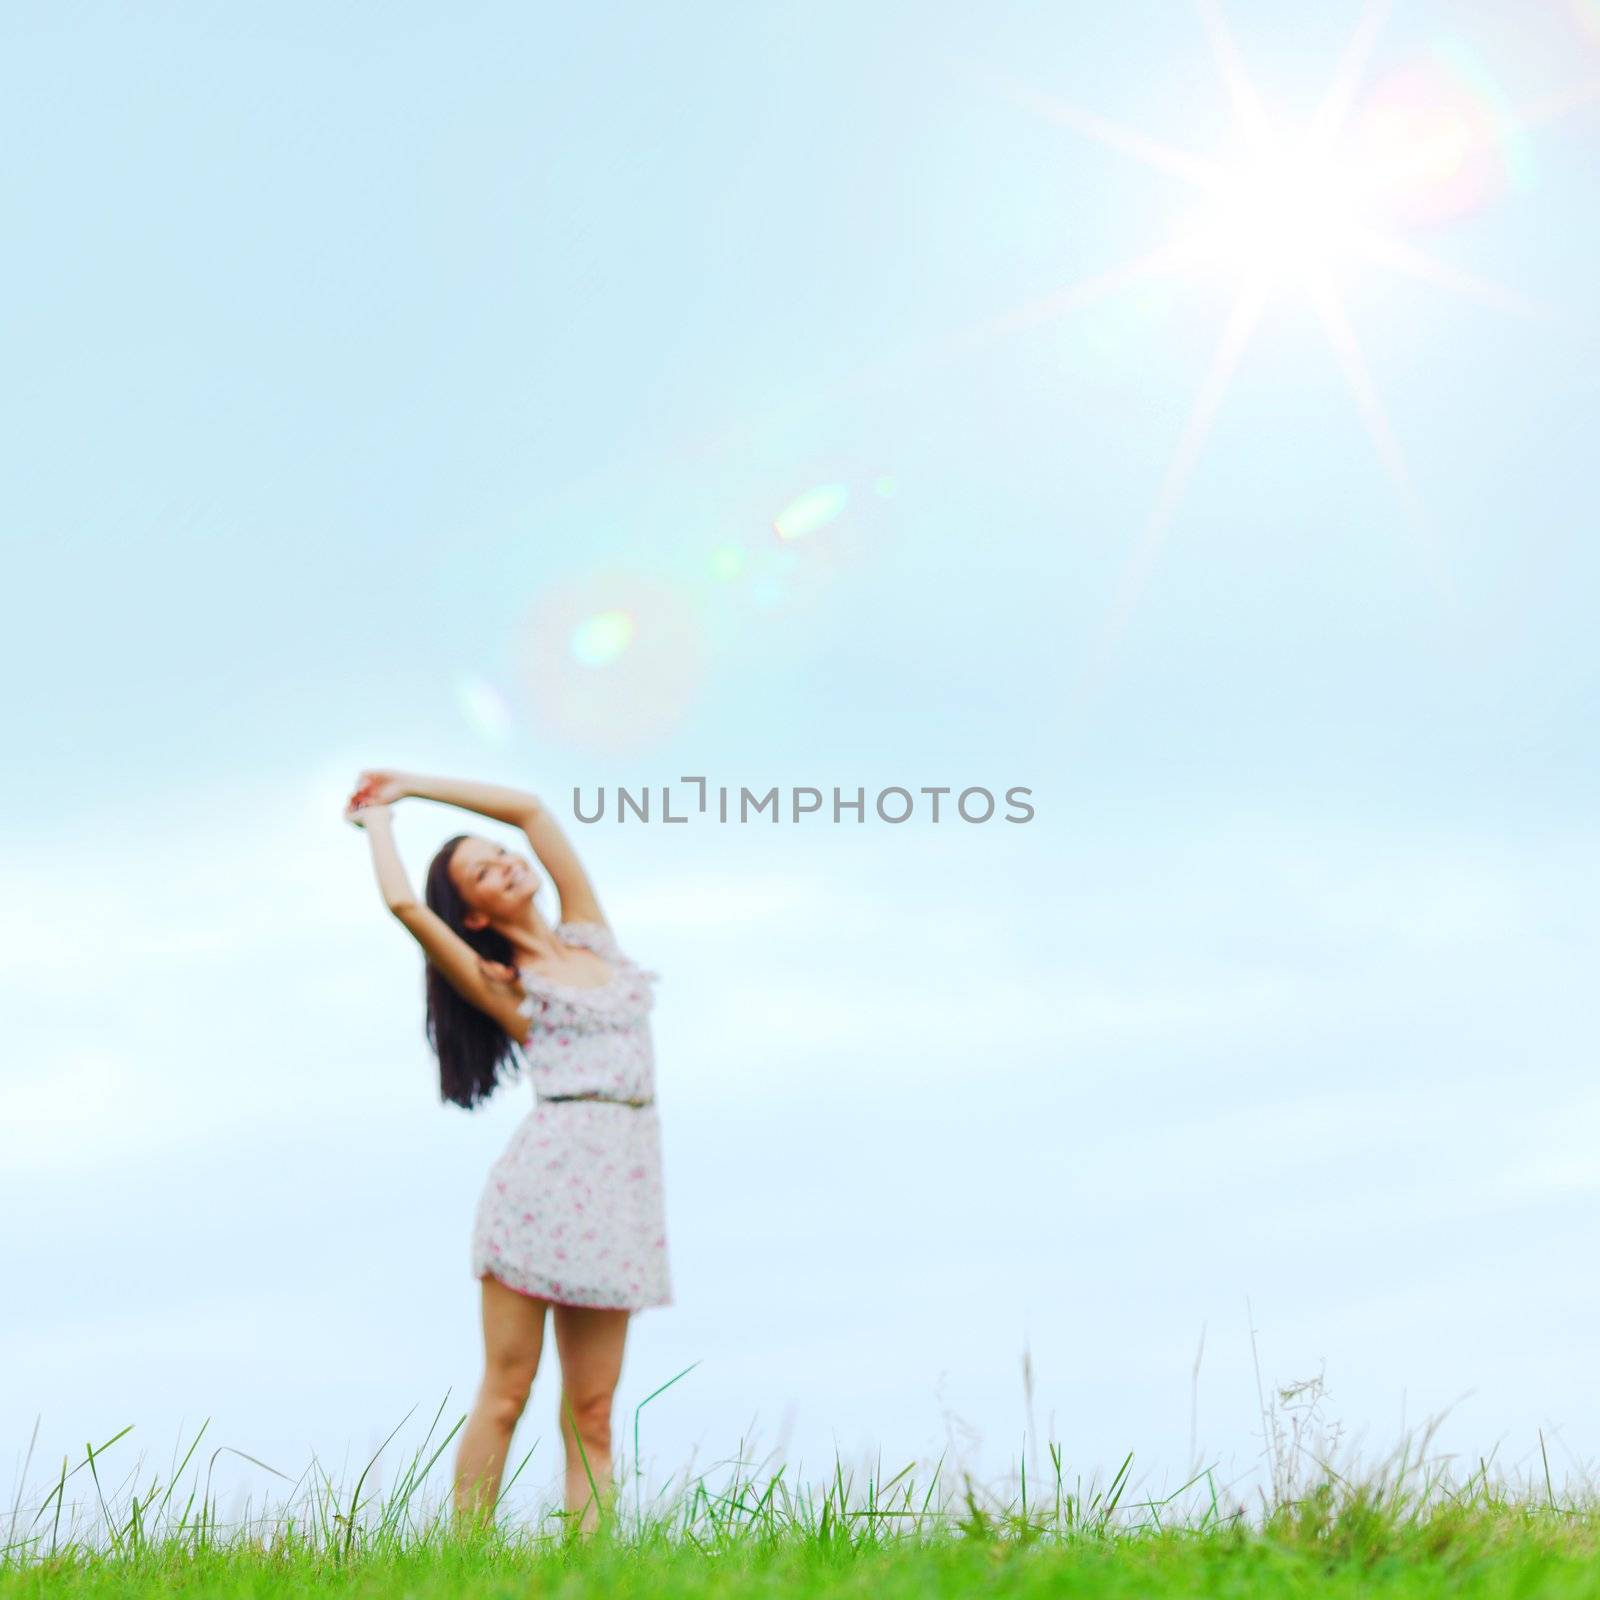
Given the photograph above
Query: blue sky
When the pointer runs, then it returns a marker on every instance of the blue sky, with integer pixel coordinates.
(354, 360)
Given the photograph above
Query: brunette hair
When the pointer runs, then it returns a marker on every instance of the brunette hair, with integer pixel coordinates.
(474, 1051)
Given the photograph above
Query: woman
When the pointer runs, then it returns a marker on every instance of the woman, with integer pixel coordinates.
(571, 1217)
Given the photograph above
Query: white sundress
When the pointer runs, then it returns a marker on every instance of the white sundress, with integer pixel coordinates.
(573, 1208)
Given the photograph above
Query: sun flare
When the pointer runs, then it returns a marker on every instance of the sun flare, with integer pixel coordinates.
(1292, 211)
(1285, 210)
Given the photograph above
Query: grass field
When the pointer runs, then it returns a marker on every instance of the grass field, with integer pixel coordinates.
(1408, 1528)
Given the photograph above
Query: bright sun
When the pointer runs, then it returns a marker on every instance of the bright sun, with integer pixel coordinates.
(1288, 212)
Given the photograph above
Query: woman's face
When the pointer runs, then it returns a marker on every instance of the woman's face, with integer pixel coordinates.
(495, 883)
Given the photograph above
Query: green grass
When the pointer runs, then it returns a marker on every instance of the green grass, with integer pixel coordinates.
(1407, 1528)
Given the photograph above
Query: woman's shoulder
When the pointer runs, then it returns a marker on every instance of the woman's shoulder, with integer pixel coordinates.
(597, 936)
(584, 931)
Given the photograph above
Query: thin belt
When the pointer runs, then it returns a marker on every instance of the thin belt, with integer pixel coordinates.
(611, 1099)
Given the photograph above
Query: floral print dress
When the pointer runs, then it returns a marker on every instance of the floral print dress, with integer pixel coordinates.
(573, 1208)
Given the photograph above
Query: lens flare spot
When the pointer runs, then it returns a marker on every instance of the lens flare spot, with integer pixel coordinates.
(654, 666)
(597, 641)
(484, 708)
(808, 512)
(885, 486)
(727, 562)
(1433, 143)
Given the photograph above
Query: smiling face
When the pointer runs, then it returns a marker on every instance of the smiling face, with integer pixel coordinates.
(496, 884)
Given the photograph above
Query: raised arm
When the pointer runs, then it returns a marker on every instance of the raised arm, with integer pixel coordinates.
(378, 825)
(461, 965)
(560, 860)
(487, 799)
(517, 806)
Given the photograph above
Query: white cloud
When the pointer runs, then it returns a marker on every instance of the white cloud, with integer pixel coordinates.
(1557, 1152)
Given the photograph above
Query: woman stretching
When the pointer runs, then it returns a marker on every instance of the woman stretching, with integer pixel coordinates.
(571, 1217)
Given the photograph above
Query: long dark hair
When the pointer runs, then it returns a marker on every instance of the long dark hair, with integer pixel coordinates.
(474, 1051)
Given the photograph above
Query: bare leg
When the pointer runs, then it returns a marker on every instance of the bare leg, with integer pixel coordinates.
(589, 1340)
(513, 1336)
